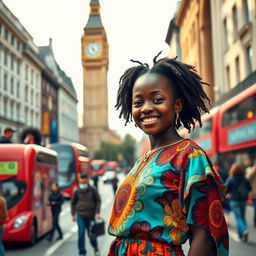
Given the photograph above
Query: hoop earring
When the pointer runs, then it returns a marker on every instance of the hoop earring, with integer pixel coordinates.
(177, 120)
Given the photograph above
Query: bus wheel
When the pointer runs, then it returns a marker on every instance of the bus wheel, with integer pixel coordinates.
(33, 234)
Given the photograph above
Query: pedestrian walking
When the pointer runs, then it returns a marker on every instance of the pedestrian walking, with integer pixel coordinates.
(238, 187)
(55, 201)
(224, 175)
(7, 136)
(3, 217)
(85, 208)
(173, 192)
(114, 182)
(251, 176)
(95, 179)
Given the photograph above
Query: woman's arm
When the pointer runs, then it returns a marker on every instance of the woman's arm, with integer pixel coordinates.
(201, 243)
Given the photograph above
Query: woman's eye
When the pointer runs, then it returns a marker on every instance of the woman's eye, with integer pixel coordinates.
(158, 100)
(137, 103)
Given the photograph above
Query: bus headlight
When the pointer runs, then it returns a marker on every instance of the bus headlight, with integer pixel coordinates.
(20, 221)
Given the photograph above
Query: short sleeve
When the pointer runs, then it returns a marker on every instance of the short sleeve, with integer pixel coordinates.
(201, 195)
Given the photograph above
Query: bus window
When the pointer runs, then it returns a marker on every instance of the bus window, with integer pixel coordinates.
(83, 153)
(13, 191)
(66, 165)
(44, 158)
(244, 110)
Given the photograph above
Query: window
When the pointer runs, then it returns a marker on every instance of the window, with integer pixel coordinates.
(12, 40)
(26, 93)
(5, 81)
(228, 77)
(26, 72)
(5, 107)
(26, 115)
(12, 89)
(240, 112)
(11, 110)
(237, 69)
(6, 34)
(246, 10)
(32, 77)
(249, 59)
(32, 96)
(45, 158)
(32, 117)
(13, 191)
(18, 90)
(234, 19)
(12, 63)
(18, 67)
(225, 33)
(18, 112)
(5, 58)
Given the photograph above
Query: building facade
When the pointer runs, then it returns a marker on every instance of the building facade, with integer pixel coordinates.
(219, 39)
(234, 44)
(20, 75)
(31, 83)
(59, 103)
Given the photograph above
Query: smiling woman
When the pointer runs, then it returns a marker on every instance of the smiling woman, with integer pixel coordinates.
(174, 192)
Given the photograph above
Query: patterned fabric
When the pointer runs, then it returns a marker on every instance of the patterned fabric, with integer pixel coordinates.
(177, 186)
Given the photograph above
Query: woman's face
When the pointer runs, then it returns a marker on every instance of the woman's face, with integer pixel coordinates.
(154, 104)
(54, 187)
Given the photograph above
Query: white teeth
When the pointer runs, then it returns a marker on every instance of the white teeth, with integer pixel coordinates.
(149, 119)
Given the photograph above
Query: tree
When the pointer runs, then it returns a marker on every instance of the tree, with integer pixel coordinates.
(111, 152)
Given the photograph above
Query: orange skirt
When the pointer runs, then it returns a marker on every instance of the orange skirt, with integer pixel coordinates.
(137, 247)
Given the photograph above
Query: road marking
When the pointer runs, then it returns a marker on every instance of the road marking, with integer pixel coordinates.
(56, 245)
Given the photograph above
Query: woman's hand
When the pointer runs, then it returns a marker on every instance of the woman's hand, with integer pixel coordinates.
(201, 243)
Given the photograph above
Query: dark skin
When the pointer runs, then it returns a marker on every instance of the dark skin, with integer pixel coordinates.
(154, 108)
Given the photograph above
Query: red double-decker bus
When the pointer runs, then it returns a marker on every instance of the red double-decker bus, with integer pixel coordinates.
(73, 158)
(26, 175)
(237, 124)
(228, 133)
(207, 135)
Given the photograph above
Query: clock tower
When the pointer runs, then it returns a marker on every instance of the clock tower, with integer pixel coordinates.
(95, 90)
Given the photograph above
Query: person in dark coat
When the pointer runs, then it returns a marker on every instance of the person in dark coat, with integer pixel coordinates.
(85, 208)
(7, 136)
(239, 187)
(55, 201)
(114, 183)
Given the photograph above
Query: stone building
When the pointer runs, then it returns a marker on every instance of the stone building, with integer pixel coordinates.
(20, 75)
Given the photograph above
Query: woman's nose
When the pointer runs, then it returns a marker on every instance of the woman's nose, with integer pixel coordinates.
(147, 107)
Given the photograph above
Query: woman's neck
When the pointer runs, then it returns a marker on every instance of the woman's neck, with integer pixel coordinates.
(163, 139)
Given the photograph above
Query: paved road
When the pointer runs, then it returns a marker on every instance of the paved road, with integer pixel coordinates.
(68, 246)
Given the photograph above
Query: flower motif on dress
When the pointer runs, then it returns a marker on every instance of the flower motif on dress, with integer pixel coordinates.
(124, 202)
(171, 180)
(174, 155)
(142, 230)
(174, 218)
(208, 213)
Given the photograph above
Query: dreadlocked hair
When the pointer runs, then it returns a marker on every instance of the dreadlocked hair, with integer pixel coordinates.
(186, 83)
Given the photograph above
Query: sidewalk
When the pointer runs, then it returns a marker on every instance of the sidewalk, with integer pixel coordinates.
(251, 228)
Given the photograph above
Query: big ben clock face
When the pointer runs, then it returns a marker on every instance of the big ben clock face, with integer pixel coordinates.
(93, 49)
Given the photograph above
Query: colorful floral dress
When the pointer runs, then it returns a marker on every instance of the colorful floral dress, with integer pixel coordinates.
(175, 187)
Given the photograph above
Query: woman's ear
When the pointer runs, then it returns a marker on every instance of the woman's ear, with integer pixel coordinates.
(179, 105)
